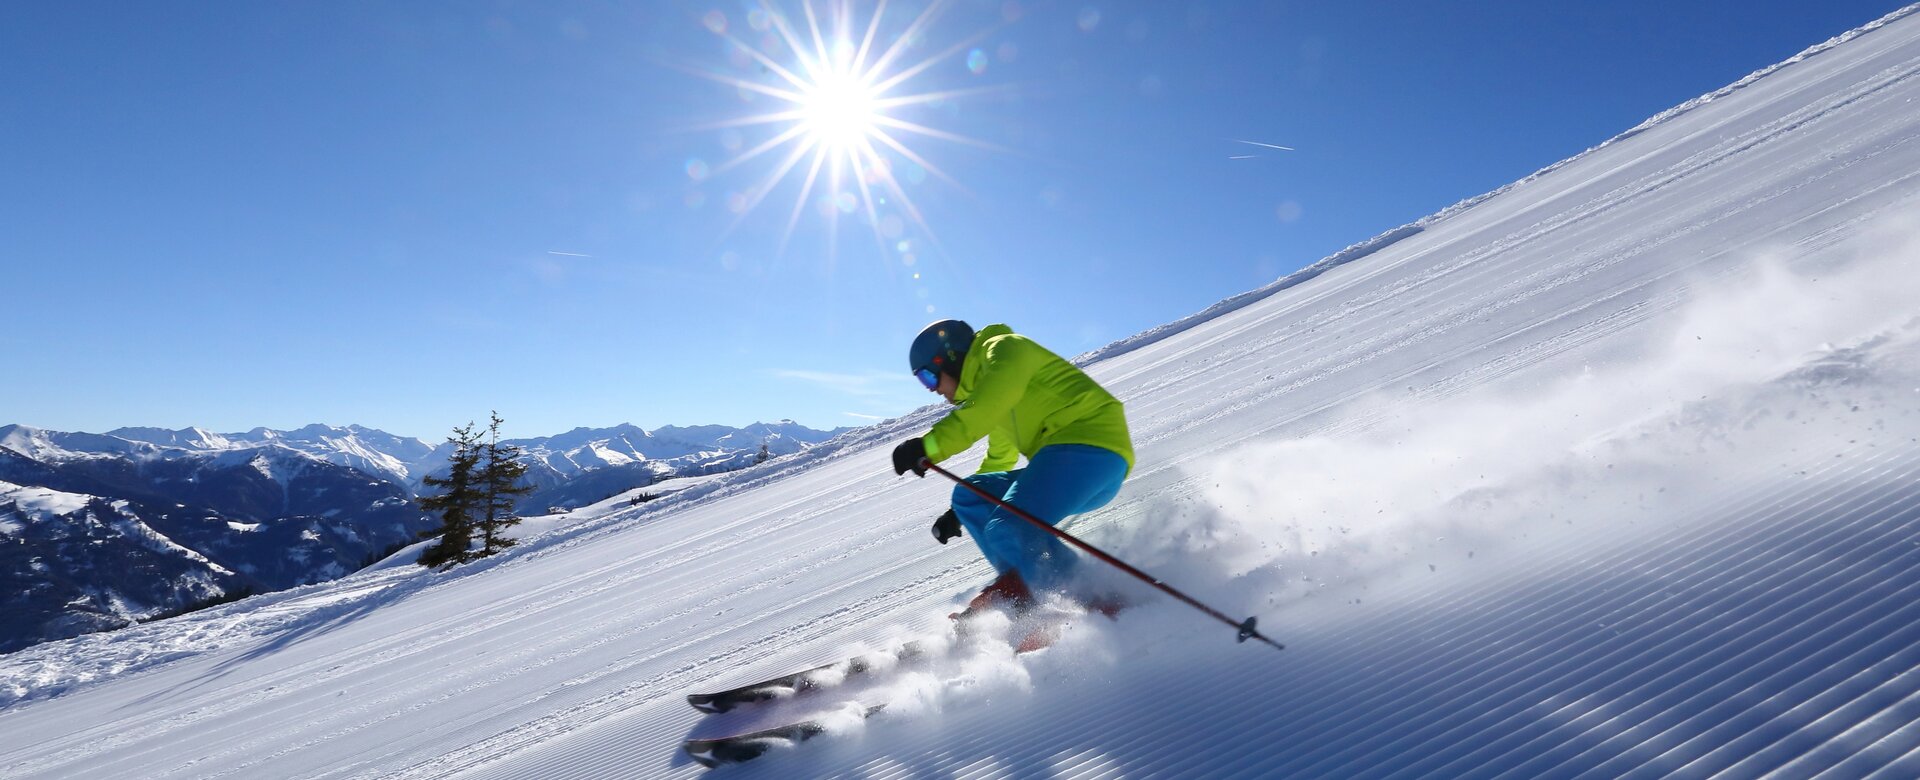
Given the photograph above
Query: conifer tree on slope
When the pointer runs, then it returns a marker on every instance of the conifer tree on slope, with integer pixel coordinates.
(500, 485)
(457, 504)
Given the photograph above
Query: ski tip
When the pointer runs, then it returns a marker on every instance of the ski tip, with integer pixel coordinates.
(703, 758)
(715, 753)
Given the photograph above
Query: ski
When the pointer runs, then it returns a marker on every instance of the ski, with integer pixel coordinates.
(740, 748)
(831, 674)
(712, 752)
(805, 680)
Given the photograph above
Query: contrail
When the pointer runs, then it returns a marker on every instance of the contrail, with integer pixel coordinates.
(568, 254)
(1243, 156)
(1269, 146)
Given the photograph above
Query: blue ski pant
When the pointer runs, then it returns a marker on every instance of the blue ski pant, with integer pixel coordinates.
(1059, 481)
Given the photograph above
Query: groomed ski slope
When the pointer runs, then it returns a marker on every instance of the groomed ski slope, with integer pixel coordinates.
(1615, 473)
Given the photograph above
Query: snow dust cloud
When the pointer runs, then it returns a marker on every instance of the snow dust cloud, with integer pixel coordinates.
(1791, 358)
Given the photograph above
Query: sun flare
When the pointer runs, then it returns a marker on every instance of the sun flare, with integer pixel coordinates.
(838, 127)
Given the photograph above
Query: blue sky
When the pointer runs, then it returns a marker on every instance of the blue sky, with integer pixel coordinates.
(232, 214)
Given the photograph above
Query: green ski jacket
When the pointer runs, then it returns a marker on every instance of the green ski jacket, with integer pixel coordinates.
(1021, 397)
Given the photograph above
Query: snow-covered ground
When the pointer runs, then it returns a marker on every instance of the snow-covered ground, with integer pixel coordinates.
(1612, 473)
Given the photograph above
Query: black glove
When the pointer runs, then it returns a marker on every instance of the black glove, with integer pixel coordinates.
(908, 456)
(947, 527)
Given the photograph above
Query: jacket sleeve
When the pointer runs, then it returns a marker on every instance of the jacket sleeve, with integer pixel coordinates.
(1005, 369)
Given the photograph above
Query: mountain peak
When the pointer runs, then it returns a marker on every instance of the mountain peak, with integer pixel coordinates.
(20, 438)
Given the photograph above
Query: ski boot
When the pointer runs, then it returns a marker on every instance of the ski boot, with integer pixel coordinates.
(1009, 594)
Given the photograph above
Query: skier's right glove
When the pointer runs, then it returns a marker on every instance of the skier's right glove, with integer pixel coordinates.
(908, 457)
(947, 527)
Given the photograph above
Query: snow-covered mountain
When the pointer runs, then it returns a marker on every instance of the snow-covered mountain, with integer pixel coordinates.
(266, 510)
(134, 569)
(618, 458)
(397, 459)
(649, 455)
(106, 530)
(585, 465)
(1612, 473)
(252, 480)
(584, 449)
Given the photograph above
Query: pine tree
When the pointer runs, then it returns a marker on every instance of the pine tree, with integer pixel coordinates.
(459, 499)
(500, 482)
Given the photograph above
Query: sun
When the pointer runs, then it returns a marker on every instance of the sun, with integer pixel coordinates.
(837, 126)
(840, 111)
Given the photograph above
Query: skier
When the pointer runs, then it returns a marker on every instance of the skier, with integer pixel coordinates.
(1024, 400)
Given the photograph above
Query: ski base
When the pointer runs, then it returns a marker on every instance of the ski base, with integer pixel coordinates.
(805, 680)
(740, 748)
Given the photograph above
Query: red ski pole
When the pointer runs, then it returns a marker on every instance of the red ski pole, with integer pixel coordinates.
(1246, 629)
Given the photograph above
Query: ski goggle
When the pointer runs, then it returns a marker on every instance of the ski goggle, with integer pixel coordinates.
(929, 378)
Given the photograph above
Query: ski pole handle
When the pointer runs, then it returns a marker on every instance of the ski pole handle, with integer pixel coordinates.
(1245, 628)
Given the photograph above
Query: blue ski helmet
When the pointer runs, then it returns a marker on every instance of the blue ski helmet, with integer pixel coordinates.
(940, 349)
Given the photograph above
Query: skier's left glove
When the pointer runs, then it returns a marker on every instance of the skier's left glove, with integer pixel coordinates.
(908, 457)
(947, 527)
